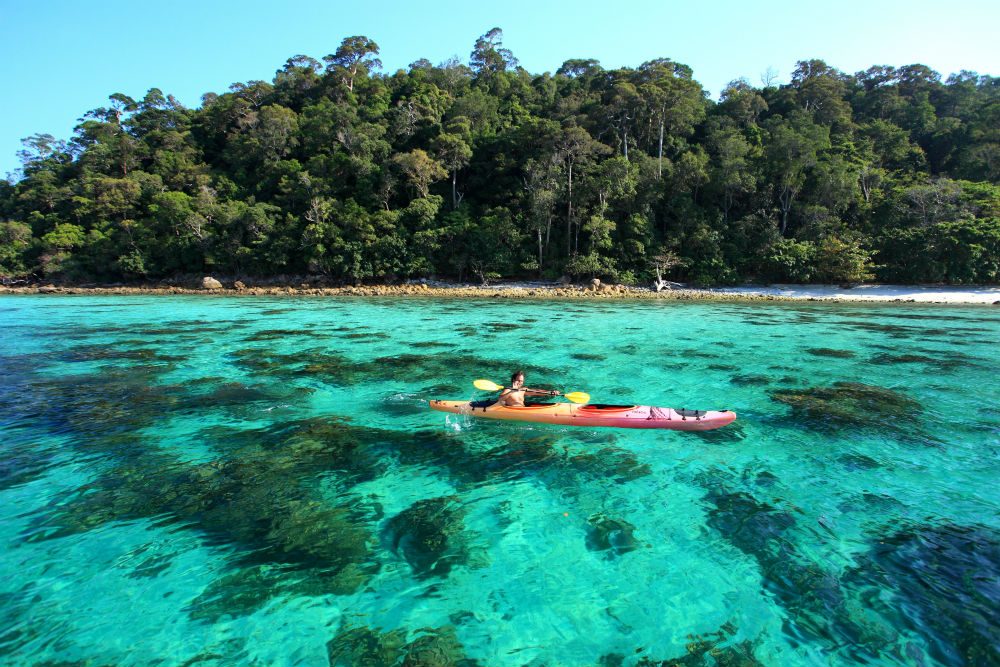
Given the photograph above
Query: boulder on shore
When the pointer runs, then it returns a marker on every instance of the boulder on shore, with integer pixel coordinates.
(208, 282)
(595, 284)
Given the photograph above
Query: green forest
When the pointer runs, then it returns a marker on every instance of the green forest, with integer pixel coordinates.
(481, 171)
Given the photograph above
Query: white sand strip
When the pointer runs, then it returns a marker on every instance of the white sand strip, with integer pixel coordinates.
(916, 293)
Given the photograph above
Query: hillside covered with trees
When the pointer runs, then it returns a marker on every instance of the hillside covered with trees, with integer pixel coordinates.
(337, 169)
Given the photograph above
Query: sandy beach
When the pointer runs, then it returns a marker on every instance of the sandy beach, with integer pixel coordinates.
(910, 293)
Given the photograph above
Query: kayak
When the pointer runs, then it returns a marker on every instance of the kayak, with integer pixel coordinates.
(619, 416)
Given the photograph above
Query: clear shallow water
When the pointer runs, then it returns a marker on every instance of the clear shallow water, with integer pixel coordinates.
(258, 481)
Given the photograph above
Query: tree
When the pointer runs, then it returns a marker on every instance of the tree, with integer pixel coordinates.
(541, 181)
(268, 135)
(356, 55)
(929, 203)
(792, 152)
(578, 67)
(842, 261)
(454, 154)
(821, 90)
(742, 103)
(691, 172)
(295, 81)
(41, 151)
(674, 103)
(662, 263)
(622, 105)
(15, 239)
(836, 183)
(421, 169)
(489, 58)
(730, 171)
(574, 145)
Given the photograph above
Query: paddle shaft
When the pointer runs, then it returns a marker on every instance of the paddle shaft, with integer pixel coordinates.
(528, 390)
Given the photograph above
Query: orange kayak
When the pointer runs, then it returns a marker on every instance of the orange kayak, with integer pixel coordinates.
(619, 416)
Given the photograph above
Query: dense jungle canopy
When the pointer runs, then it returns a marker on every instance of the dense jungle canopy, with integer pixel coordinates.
(336, 169)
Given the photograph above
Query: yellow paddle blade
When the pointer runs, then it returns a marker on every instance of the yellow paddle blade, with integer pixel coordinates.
(578, 397)
(486, 385)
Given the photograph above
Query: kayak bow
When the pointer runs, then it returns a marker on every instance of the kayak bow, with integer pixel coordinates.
(619, 416)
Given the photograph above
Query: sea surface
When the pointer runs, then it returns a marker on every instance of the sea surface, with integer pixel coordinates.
(258, 481)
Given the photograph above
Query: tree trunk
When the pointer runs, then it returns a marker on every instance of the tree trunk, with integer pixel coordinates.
(659, 164)
(539, 230)
(569, 213)
(786, 196)
(454, 180)
(660, 282)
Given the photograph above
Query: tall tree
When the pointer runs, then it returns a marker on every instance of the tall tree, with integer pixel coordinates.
(421, 170)
(792, 151)
(489, 58)
(355, 55)
(574, 145)
(454, 153)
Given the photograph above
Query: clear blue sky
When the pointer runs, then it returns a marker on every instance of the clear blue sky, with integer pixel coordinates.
(62, 58)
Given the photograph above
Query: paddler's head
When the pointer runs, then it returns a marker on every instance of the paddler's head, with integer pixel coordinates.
(517, 380)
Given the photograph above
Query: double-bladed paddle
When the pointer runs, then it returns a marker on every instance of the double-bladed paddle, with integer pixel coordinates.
(573, 396)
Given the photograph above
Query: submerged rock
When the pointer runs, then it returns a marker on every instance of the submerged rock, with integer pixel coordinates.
(829, 352)
(754, 527)
(750, 379)
(429, 536)
(856, 461)
(247, 589)
(714, 649)
(587, 356)
(817, 606)
(943, 583)
(254, 499)
(613, 536)
(22, 463)
(848, 404)
(365, 647)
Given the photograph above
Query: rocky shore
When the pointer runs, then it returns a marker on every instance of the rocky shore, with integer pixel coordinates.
(437, 290)
(594, 290)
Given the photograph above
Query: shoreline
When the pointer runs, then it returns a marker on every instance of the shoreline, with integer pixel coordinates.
(972, 295)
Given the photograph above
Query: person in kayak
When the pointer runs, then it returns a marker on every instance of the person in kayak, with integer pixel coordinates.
(513, 396)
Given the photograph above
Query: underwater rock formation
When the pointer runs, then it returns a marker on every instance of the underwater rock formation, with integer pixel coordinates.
(613, 536)
(944, 584)
(829, 352)
(847, 404)
(819, 609)
(365, 647)
(429, 536)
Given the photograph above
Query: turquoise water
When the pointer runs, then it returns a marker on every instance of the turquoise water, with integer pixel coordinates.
(248, 481)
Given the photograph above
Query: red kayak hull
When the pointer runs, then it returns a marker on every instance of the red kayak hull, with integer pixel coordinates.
(613, 416)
